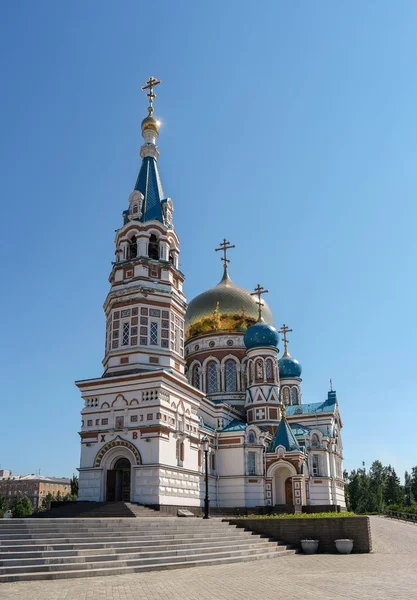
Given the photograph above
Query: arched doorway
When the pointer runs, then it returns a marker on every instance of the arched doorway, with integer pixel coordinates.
(118, 481)
(281, 473)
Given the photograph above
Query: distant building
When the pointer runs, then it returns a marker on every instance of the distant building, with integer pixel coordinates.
(35, 487)
(5, 473)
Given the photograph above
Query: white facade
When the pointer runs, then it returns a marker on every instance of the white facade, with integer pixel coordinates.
(144, 419)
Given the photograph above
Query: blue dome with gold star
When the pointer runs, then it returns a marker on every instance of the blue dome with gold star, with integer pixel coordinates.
(289, 367)
(261, 334)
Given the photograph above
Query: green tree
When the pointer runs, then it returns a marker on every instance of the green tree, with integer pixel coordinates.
(46, 502)
(74, 485)
(21, 507)
(377, 483)
(393, 492)
(3, 504)
(408, 492)
(413, 482)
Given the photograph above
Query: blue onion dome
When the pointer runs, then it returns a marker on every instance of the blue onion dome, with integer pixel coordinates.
(289, 367)
(261, 334)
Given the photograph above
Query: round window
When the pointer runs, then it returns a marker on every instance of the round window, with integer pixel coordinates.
(212, 344)
(230, 342)
(196, 347)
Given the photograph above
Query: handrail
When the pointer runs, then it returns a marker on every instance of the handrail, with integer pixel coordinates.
(402, 516)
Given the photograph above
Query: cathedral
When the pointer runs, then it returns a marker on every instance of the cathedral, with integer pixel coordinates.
(198, 392)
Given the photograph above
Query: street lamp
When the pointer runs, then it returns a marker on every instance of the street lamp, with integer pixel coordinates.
(206, 446)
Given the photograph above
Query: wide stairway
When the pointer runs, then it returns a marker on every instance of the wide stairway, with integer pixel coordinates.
(100, 510)
(62, 548)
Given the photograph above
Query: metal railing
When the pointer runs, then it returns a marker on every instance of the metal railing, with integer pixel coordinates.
(402, 516)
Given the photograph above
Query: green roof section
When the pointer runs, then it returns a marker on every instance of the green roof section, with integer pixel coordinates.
(235, 425)
(284, 436)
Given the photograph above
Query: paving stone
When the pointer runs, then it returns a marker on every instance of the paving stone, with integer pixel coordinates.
(389, 573)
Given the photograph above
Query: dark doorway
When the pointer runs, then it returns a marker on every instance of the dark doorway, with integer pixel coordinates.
(118, 481)
(288, 491)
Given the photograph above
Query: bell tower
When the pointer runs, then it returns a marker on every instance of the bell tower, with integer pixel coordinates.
(145, 306)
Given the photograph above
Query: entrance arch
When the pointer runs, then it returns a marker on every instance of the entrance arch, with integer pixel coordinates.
(117, 459)
(281, 473)
(118, 481)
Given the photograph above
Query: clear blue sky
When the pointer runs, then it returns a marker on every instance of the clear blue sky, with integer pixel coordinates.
(288, 127)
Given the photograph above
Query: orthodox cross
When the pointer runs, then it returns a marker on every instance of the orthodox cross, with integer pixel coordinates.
(259, 290)
(224, 247)
(331, 385)
(150, 84)
(283, 410)
(284, 330)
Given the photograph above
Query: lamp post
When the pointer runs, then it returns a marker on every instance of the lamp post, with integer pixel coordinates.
(205, 445)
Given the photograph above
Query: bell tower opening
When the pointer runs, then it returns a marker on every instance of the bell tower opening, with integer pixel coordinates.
(153, 247)
(133, 247)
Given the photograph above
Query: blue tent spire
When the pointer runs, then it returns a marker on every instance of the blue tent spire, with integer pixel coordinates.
(150, 185)
(284, 436)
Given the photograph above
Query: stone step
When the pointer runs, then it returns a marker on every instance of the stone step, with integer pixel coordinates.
(110, 541)
(118, 570)
(80, 549)
(136, 526)
(131, 547)
(166, 552)
(135, 562)
(66, 537)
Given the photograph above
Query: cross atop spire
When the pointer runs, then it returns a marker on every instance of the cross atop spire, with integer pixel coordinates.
(331, 385)
(150, 84)
(259, 290)
(284, 330)
(224, 247)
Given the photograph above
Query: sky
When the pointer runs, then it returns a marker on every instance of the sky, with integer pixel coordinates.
(287, 127)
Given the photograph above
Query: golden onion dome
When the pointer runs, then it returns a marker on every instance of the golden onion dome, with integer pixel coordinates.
(224, 307)
(150, 122)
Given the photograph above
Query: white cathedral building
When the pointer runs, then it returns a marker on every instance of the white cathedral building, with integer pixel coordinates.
(176, 377)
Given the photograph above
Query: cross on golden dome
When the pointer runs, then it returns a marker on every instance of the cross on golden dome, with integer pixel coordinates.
(150, 84)
(224, 247)
(259, 290)
(284, 330)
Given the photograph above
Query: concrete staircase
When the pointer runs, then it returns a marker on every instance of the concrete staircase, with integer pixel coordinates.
(62, 548)
(99, 510)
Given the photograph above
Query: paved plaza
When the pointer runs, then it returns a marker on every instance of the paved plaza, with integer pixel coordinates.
(390, 572)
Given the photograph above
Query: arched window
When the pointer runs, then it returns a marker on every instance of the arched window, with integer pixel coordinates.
(196, 377)
(230, 376)
(153, 250)
(315, 440)
(172, 258)
(259, 368)
(294, 395)
(251, 438)
(269, 370)
(211, 378)
(133, 247)
(286, 396)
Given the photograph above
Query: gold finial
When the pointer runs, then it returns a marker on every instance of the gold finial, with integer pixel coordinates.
(284, 330)
(150, 84)
(259, 290)
(283, 410)
(331, 385)
(224, 247)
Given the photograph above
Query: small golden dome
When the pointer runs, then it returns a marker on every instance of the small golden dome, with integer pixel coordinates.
(150, 122)
(224, 307)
